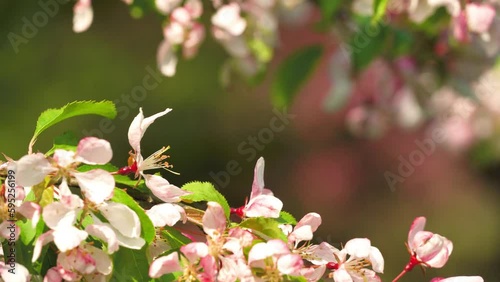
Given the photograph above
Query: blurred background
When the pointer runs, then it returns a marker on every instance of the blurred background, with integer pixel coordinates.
(312, 162)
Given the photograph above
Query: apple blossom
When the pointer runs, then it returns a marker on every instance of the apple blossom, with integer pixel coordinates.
(262, 201)
(83, 15)
(459, 279)
(350, 263)
(274, 259)
(21, 274)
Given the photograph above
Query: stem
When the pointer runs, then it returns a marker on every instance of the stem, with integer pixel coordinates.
(400, 275)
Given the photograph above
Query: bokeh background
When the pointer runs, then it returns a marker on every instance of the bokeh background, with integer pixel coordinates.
(314, 164)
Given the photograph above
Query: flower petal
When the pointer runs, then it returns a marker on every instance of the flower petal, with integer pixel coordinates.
(40, 242)
(83, 15)
(68, 237)
(290, 264)
(9, 227)
(358, 247)
(164, 265)
(162, 189)
(31, 211)
(165, 214)
(97, 185)
(32, 169)
(195, 250)
(121, 217)
(56, 214)
(417, 226)
(258, 178)
(92, 150)
(304, 229)
(105, 233)
(166, 58)
(21, 273)
(377, 260)
(102, 260)
(214, 220)
(265, 206)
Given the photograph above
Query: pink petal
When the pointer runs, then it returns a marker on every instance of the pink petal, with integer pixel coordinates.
(165, 214)
(166, 59)
(52, 275)
(341, 275)
(417, 226)
(210, 267)
(68, 237)
(258, 178)
(194, 39)
(265, 206)
(259, 252)
(32, 169)
(164, 265)
(31, 211)
(83, 15)
(358, 248)
(40, 242)
(162, 189)
(194, 7)
(21, 273)
(290, 264)
(194, 251)
(92, 150)
(305, 227)
(459, 279)
(121, 217)
(214, 220)
(64, 158)
(167, 6)
(9, 227)
(229, 19)
(105, 233)
(97, 185)
(56, 214)
(102, 260)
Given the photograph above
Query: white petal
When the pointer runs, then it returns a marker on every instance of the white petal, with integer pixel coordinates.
(92, 150)
(265, 206)
(132, 243)
(135, 133)
(358, 248)
(97, 185)
(377, 260)
(229, 19)
(162, 189)
(9, 227)
(83, 15)
(258, 178)
(21, 274)
(105, 233)
(57, 214)
(164, 214)
(167, 6)
(166, 58)
(341, 275)
(122, 218)
(102, 260)
(305, 227)
(214, 220)
(68, 237)
(64, 158)
(164, 265)
(32, 169)
(290, 264)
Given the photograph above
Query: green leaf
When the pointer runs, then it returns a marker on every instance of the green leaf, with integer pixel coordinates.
(328, 9)
(205, 192)
(289, 278)
(286, 218)
(365, 48)
(267, 228)
(174, 238)
(379, 9)
(78, 108)
(148, 230)
(67, 141)
(293, 73)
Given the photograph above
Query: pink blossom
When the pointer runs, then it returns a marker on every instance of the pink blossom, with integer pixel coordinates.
(167, 6)
(228, 19)
(21, 273)
(427, 248)
(275, 259)
(459, 279)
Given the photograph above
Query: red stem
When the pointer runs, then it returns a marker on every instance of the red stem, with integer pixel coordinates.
(400, 275)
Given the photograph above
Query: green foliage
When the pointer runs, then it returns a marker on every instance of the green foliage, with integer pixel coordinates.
(286, 218)
(148, 231)
(266, 228)
(67, 141)
(133, 265)
(379, 9)
(293, 73)
(328, 9)
(366, 45)
(205, 192)
(51, 117)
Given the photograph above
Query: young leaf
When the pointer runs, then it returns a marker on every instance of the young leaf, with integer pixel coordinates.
(365, 47)
(174, 238)
(205, 192)
(379, 9)
(148, 230)
(67, 141)
(132, 265)
(267, 228)
(78, 108)
(293, 73)
(286, 218)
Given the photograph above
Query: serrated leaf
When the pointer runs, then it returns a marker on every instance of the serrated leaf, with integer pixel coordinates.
(267, 228)
(379, 9)
(67, 141)
(287, 218)
(51, 117)
(293, 73)
(205, 192)
(147, 229)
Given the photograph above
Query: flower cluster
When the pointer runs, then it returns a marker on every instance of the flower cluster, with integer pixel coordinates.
(76, 223)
